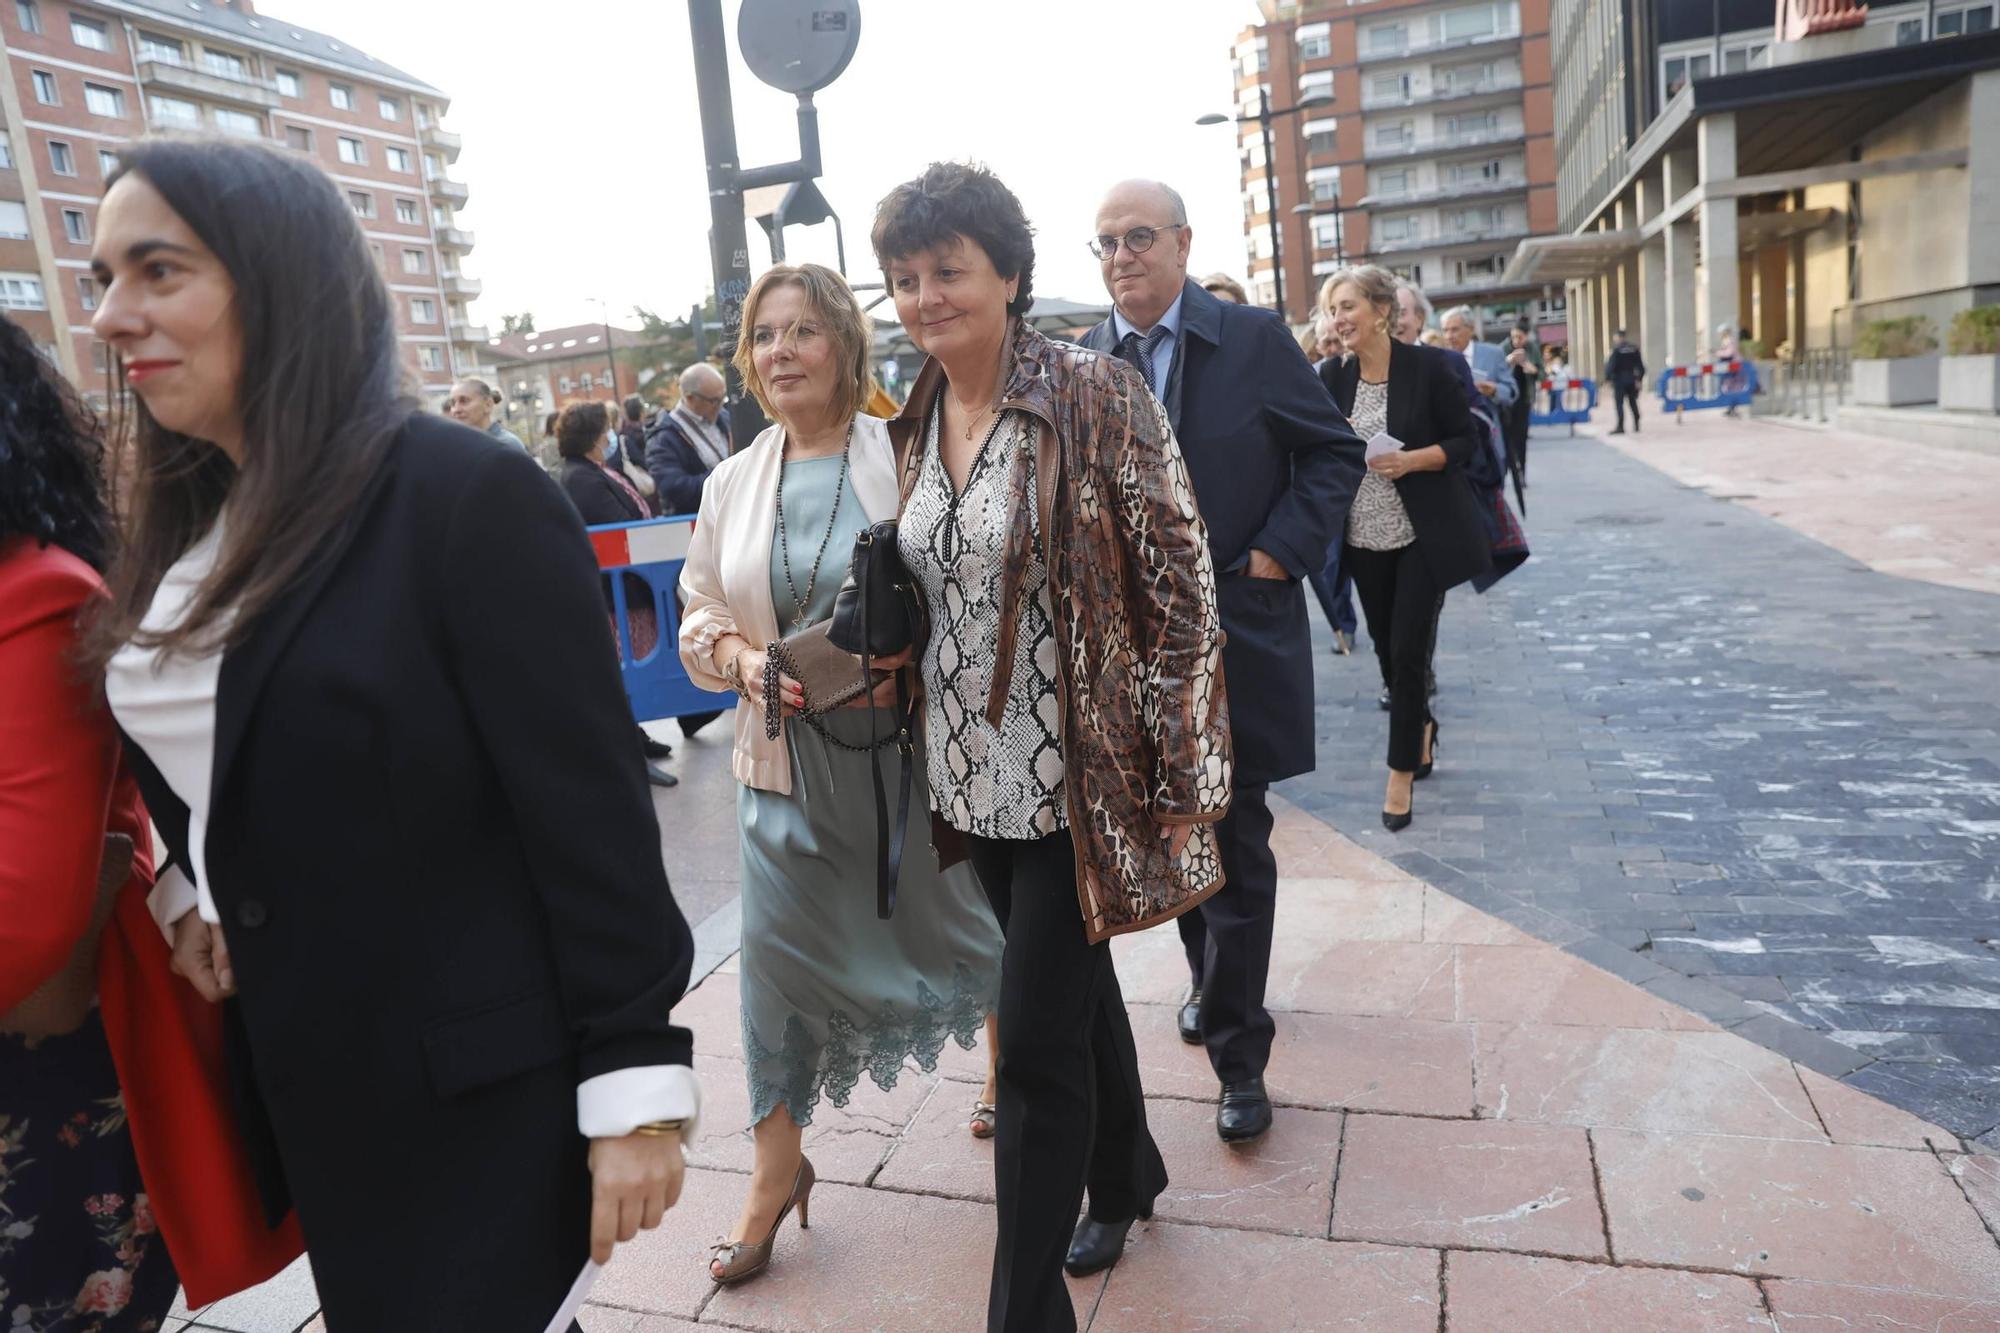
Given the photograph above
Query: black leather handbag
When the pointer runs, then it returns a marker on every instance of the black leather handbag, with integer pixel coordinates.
(877, 613)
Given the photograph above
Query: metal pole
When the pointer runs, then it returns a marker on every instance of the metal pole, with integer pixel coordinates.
(605, 312)
(729, 246)
(1339, 245)
(1271, 191)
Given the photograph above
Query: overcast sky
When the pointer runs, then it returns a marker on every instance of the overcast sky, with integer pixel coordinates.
(583, 144)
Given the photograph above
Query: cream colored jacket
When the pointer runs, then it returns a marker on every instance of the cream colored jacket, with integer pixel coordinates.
(726, 582)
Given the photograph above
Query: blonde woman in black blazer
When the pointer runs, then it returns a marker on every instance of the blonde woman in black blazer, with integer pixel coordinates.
(1414, 530)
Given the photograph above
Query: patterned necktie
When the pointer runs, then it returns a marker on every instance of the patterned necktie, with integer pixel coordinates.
(1138, 351)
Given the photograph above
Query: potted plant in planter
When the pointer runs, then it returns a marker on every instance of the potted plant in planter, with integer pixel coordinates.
(1969, 379)
(1896, 362)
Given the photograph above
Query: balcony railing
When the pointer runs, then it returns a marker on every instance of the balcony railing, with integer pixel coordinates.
(457, 284)
(454, 238)
(1460, 190)
(1447, 92)
(1449, 236)
(462, 332)
(450, 191)
(217, 79)
(1425, 46)
(1445, 143)
(444, 140)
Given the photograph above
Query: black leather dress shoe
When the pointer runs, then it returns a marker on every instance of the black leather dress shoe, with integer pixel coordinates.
(659, 777)
(655, 749)
(1097, 1245)
(1382, 700)
(1191, 1017)
(1245, 1112)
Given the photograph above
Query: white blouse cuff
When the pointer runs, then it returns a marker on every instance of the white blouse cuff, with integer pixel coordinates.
(612, 1105)
(172, 898)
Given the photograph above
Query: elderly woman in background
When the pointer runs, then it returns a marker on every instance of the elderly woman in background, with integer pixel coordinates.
(1415, 530)
(1075, 712)
(1225, 288)
(829, 990)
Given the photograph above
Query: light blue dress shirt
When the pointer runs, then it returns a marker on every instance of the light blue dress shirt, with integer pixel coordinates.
(1163, 355)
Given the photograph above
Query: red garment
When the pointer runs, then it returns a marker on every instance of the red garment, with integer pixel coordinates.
(62, 788)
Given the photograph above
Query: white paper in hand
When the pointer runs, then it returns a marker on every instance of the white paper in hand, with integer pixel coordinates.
(1383, 443)
(574, 1301)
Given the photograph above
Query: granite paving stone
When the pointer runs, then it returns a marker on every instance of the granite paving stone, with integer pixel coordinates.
(1510, 1293)
(1824, 1307)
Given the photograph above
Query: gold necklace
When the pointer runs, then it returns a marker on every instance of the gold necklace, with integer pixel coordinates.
(972, 424)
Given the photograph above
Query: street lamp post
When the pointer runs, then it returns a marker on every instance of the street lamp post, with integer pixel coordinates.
(604, 322)
(1265, 115)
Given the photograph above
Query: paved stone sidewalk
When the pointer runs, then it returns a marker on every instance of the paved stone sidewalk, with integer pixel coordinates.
(1722, 759)
(1470, 1120)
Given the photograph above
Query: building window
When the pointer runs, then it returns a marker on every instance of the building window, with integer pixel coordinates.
(76, 226)
(1964, 21)
(290, 84)
(1677, 72)
(1315, 43)
(299, 137)
(1397, 229)
(341, 95)
(244, 124)
(1323, 184)
(564, 385)
(22, 291)
(430, 357)
(6, 152)
(176, 111)
(353, 152)
(362, 202)
(61, 160)
(399, 160)
(100, 358)
(168, 49)
(433, 167)
(416, 261)
(440, 215)
(1319, 85)
(102, 101)
(390, 108)
(1387, 37)
(30, 15)
(45, 89)
(1319, 135)
(107, 163)
(1391, 182)
(423, 310)
(90, 35)
(1389, 88)
(13, 220)
(406, 212)
(1392, 136)
(86, 293)
(1469, 23)
(226, 63)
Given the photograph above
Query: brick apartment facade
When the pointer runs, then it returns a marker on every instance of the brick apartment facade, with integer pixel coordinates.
(84, 77)
(1434, 158)
(545, 372)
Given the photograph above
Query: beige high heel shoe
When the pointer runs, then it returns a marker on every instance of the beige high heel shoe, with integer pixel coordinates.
(739, 1260)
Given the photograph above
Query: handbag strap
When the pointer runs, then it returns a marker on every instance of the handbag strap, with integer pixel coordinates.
(888, 850)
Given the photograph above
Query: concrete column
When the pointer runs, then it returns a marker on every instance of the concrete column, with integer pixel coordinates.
(1720, 285)
(1982, 171)
(1648, 200)
(1677, 178)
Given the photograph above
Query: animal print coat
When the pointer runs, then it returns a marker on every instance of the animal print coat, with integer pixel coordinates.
(1145, 720)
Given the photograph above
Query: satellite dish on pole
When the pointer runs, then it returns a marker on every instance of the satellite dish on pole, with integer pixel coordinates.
(798, 46)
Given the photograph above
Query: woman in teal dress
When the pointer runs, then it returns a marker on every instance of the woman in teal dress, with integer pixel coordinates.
(829, 990)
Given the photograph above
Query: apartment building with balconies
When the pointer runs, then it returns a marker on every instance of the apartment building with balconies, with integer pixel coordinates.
(1433, 158)
(84, 77)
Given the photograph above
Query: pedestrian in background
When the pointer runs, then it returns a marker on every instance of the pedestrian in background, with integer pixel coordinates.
(1415, 530)
(1625, 372)
(1413, 314)
(1524, 363)
(1225, 288)
(603, 494)
(1331, 584)
(690, 442)
(829, 990)
(472, 401)
(1031, 473)
(424, 888)
(1274, 467)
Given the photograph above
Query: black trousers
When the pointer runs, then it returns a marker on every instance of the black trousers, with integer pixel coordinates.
(1071, 1109)
(1228, 942)
(1402, 600)
(1622, 394)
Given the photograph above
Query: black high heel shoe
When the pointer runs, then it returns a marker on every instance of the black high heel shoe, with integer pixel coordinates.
(1424, 769)
(1396, 823)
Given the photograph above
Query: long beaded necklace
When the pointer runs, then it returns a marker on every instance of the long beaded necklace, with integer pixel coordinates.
(803, 604)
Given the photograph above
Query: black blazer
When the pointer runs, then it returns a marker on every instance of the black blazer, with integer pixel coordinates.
(598, 499)
(1274, 467)
(438, 868)
(678, 469)
(1428, 405)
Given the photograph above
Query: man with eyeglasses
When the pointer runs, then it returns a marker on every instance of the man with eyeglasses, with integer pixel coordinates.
(688, 443)
(1274, 467)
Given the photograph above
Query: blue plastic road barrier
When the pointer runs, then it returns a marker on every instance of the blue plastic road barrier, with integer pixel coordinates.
(1707, 384)
(652, 552)
(1563, 402)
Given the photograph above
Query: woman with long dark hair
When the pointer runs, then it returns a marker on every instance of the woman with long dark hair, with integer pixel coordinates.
(424, 888)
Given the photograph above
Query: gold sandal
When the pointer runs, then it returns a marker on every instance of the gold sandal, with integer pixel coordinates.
(983, 1119)
(741, 1260)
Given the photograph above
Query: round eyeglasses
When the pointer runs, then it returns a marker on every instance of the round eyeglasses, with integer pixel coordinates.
(1138, 240)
